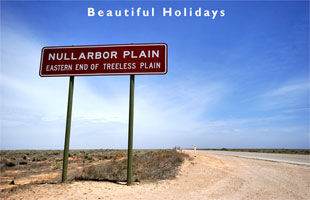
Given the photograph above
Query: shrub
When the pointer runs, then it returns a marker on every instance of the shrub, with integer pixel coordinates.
(37, 159)
(10, 164)
(57, 165)
(23, 163)
(118, 155)
(177, 148)
(107, 157)
(148, 166)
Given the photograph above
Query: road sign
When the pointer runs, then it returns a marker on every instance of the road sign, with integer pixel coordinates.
(100, 60)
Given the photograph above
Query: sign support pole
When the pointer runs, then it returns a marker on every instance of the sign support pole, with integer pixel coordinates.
(130, 129)
(68, 128)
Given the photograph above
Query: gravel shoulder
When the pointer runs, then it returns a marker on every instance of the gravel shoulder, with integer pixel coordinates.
(206, 176)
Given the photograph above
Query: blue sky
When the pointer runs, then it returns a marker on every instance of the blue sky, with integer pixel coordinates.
(238, 81)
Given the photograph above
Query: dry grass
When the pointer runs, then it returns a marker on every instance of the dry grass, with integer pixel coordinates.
(25, 167)
(38, 159)
(147, 166)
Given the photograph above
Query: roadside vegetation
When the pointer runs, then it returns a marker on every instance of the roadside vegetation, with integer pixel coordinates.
(147, 166)
(286, 151)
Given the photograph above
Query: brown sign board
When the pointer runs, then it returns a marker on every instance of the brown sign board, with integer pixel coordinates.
(101, 60)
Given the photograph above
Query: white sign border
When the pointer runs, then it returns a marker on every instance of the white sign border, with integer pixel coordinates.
(105, 74)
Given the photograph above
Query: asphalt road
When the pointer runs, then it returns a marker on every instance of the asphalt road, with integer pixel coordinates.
(276, 157)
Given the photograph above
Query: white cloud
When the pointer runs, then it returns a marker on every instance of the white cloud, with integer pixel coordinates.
(290, 88)
(293, 94)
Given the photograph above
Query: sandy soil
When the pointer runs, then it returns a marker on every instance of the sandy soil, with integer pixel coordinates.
(207, 176)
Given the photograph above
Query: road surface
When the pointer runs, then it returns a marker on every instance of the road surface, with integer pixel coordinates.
(276, 157)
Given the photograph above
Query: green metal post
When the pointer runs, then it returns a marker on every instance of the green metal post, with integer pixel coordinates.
(130, 129)
(68, 128)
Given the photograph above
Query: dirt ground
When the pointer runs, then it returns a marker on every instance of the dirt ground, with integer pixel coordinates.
(205, 177)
